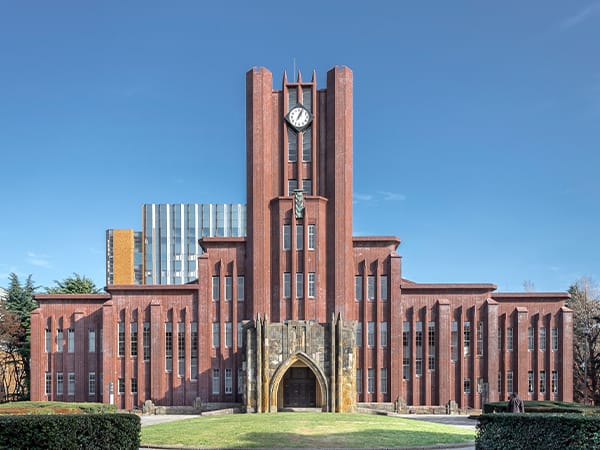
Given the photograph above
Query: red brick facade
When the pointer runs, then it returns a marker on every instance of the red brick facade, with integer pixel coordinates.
(425, 344)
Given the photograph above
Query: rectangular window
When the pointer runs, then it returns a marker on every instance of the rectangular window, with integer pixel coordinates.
(543, 339)
(228, 288)
(499, 382)
(383, 334)
(146, 341)
(358, 287)
(194, 350)
(307, 187)
(467, 385)
(406, 350)
(554, 382)
(371, 287)
(216, 381)
(287, 285)
(311, 284)
(419, 348)
(479, 338)
(228, 381)
(509, 340)
(228, 335)
(216, 289)
(240, 381)
(530, 338)
(181, 349)
(307, 97)
(240, 288)
(292, 97)
(134, 386)
(71, 340)
(240, 335)
(92, 383)
(371, 334)
(312, 236)
(91, 340)
(48, 382)
(467, 338)
(307, 145)
(121, 338)
(71, 383)
(59, 383)
(121, 386)
(499, 339)
(431, 345)
(359, 334)
(292, 145)
(287, 238)
(100, 338)
(59, 340)
(480, 385)
(554, 339)
(359, 381)
(542, 381)
(371, 380)
(169, 346)
(299, 237)
(530, 383)
(292, 186)
(134, 339)
(299, 285)
(509, 382)
(383, 286)
(383, 380)
(48, 341)
(454, 341)
(216, 339)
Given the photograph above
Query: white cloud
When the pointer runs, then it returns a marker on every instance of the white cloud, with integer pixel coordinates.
(38, 260)
(363, 197)
(581, 16)
(392, 195)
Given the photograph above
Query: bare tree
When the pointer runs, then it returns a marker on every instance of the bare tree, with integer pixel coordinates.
(12, 375)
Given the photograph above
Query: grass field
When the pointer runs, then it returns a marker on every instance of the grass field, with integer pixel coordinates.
(302, 430)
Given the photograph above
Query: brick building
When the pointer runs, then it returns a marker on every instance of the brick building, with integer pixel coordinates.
(300, 312)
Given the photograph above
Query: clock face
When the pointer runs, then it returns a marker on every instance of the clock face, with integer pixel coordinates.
(299, 117)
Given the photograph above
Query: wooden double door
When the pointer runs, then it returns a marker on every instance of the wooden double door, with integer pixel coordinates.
(299, 388)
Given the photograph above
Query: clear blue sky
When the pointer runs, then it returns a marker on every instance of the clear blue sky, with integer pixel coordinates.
(476, 125)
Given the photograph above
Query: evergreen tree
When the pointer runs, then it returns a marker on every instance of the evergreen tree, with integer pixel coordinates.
(74, 285)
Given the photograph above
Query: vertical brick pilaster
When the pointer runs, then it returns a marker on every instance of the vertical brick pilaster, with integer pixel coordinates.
(565, 356)
(442, 349)
(520, 351)
(491, 352)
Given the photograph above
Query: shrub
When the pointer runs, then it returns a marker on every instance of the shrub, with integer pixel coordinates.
(536, 431)
(545, 406)
(56, 408)
(72, 431)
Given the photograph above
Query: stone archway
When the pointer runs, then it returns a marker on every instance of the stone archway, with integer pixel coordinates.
(303, 375)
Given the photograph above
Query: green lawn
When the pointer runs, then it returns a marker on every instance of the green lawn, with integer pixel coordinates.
(302, 430)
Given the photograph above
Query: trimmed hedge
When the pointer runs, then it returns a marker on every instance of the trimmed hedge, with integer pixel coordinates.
(545, 406)
(71, 431)
(538, 431)
(29, 407)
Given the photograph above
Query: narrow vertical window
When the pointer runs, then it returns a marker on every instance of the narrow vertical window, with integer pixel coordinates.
(509, 382)
(371, 287)
(91, 340)
(134, 386)
(307, 97)
(292, 145)
(371, 334)
(216, 289)
(240, 288)
(121, 386)
(359, 334)
(406, 350)
(454, 341)
(312, 232)
(500, 383)
(216, 340)
(554, 382)
(181, 349)
(307, 145)
(499, 339)
(169, 346)
(299, 237)
(92, 383)
(70, 340)
(419, 348)
(467, 338)
(134, 339)
(240, 335)
(216, 381)
(371, 380)
(48, 382)
(383, 333)
(509, 339)
(530, 338)
(530, 383)
(71, 383)
(554, 339)
(358, 287)
(59, 340)
(228, 288)
(480, 385)
(240, 381)
(48, 340)
(383, 379)
(542, 381)
(194, 350)
(59, 383)
(543, 339)
(467, 385)
(228, 381)
(228, 335)
(307, 187)
(292, 186)
(383, 286)
(292, 97)
(121, 338)
(359, 381)
(299, 285)
(431, 345)
(311, 284)
(287, 240)
(479, 338)
(146, 341)
(287, 285)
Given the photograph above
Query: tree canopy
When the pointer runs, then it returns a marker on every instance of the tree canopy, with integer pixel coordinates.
(75, 284)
